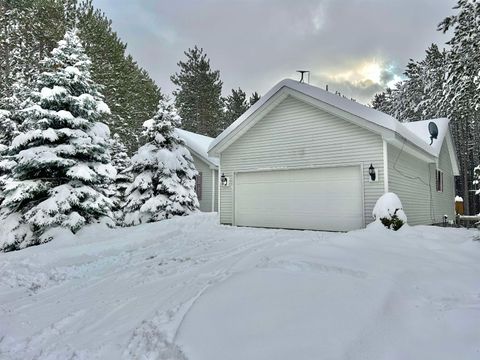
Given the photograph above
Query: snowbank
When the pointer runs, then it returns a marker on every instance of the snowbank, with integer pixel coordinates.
(188, 288)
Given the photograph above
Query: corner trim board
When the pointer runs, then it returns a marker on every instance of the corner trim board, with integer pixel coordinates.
(213, 190)
(385, 166)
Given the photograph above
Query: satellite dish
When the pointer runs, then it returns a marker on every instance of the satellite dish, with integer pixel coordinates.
(433, 130)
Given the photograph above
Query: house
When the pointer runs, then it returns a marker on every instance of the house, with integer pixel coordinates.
(207, 167)
(305, 158)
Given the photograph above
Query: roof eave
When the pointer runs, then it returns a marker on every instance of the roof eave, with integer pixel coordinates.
(212, 165)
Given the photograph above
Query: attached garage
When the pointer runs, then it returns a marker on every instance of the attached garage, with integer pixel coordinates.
(326, 198)
(304, 158)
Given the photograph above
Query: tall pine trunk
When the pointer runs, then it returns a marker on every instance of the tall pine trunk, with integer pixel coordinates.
(466, 194)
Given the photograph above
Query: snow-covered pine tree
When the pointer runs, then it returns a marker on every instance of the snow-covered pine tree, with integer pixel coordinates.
(417, 97)
(62, 155)
(384, 101)
(461, 98)
(434, 68)
(11, 118)
(8, 129)
(164, 183)
(121, 163)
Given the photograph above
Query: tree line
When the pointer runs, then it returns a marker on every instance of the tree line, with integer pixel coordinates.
(446, 83)
(30, 29)
(61, 169)
(74, 107)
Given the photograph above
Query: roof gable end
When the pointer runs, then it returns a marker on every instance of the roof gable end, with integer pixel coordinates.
(385, 125)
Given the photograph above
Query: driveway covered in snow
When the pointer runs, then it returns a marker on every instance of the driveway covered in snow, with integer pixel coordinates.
(188, 288)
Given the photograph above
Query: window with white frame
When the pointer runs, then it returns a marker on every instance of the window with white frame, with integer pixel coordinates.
(439, 180)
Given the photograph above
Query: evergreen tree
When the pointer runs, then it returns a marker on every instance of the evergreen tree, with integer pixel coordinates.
(128, 89)
(164, 174)
(461, 99)
(254, 98)
(8, 130)
(62, 156)
(121, 163)
(418, 96)
(434, 64)
(30, 29)
(235, 105)
(198, 94)
(446, 83)
(383, 101)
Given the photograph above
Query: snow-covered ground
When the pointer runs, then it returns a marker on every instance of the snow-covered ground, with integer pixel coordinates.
(188, 288)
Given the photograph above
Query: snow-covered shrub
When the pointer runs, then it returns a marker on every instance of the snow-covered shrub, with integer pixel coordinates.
(61, 154)
(164, 173)
(389, 211)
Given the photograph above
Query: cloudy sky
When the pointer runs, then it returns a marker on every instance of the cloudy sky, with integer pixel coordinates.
(355, 46)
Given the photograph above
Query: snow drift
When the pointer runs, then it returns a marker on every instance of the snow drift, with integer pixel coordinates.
(188, 288)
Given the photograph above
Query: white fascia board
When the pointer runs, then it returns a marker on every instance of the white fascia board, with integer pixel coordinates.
(453, 154)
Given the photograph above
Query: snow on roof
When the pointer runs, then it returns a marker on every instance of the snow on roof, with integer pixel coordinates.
(352, 107)
(199, 144)
(420, 129)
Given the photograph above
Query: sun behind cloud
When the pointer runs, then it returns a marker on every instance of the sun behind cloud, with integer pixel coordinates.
(364, 71)
(371, 71)
(362, 78)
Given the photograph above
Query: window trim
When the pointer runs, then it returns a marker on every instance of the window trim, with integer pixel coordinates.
(198, 185)
(439, 180)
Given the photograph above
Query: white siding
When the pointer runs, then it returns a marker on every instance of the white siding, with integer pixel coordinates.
(413, 180)
(297, 135)
(207, 184)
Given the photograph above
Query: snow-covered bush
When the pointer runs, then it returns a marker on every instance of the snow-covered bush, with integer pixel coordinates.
(164, 174)
(62, 155)
(389, 211)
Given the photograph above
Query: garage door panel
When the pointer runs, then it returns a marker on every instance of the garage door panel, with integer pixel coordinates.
(320, 199)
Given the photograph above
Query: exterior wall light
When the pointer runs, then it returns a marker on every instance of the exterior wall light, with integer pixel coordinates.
(372, 172)
(224, 180)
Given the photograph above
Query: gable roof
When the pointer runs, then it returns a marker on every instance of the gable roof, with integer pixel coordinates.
(375, 120)
(198, 144)
(420, 129)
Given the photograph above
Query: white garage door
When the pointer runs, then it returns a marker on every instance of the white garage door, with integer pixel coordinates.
(317, 199)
